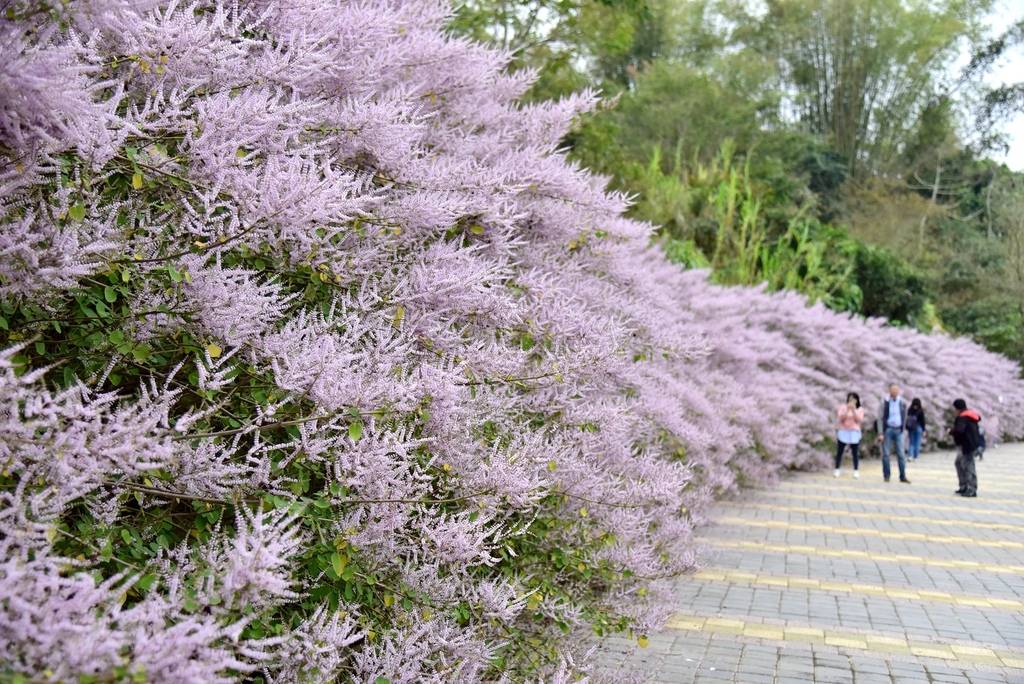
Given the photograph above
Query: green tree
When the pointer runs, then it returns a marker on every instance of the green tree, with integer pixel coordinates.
(718, 215)
(891, 288)
(861, 72)
(676, 106)
(572, 44)
(1000, 102)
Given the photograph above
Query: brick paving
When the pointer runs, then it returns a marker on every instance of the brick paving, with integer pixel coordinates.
(854, 581)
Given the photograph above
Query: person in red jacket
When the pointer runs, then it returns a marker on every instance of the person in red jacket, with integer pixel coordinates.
(965, 434)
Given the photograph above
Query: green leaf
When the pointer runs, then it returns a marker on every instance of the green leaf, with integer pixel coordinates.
(142, 352)
(145, 582)
(110, 294)
(77, 212)
(355, 431)
(3, 323)
(116, 336)
(382, 680)
(338, 563)
(173, 272)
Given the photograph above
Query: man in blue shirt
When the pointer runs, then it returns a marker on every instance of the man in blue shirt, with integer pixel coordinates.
(892, 420)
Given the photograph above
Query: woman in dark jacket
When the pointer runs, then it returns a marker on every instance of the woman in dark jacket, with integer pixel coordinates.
(915, 428)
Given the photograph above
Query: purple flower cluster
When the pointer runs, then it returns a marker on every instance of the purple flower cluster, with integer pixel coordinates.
(439, 377)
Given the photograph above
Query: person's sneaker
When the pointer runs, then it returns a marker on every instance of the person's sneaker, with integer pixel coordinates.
(969, 495)
(886, 479)
(856, 474)
(836, 474)
(904, 480)
(959, 491)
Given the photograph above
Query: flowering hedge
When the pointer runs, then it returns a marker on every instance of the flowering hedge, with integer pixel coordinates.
(322, 363)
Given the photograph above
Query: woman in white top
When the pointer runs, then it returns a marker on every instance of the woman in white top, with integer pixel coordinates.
(851, 415)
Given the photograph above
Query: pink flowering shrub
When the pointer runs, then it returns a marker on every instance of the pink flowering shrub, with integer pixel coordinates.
(807, 358)
(321, 363)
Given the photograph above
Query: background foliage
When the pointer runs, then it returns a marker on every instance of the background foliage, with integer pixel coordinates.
(850, 118)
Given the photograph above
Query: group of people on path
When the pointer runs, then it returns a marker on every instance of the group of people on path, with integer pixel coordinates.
(893, 418)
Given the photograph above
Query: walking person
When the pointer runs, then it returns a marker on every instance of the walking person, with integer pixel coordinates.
(916, 428)
(892, 420)
(851, 415)
(965, 435)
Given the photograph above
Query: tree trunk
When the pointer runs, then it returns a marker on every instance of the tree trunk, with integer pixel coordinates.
(988, 207)
(931, 209)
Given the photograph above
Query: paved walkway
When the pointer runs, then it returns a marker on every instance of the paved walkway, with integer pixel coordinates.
(855, 581)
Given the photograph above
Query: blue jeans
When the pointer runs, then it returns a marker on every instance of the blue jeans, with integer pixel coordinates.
(893, 436)
(915, 442)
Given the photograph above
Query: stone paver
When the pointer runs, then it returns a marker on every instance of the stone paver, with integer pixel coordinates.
(853, 581)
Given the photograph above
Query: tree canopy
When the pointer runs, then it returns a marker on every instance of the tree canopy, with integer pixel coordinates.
(855, 119)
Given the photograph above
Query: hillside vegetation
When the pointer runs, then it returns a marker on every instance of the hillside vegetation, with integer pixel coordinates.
(840, 149)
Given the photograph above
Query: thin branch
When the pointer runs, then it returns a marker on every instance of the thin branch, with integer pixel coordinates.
(156, 491)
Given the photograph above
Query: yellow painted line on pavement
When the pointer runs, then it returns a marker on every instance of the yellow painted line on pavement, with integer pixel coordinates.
(865, 555)
(998, 476)
(992, 485)
(977, 654)
(895, 488)
(1008, 477)
(914, 536)
(1004, 471)
(739, 577)
(955, 504)
(831, 512)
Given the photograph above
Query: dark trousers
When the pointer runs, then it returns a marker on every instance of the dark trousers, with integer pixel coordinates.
(966, 473)
(854, 449)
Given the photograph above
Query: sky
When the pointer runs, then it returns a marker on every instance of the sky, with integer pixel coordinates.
(1010, 70)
